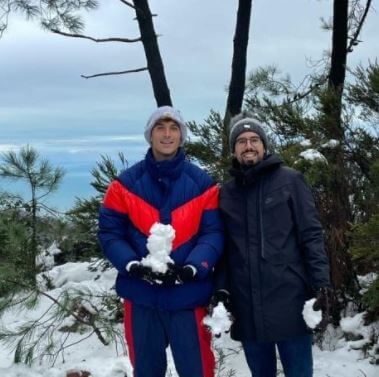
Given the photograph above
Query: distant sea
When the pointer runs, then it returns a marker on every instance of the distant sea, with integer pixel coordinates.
(77, 157)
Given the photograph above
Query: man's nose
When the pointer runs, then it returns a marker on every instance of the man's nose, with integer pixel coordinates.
(167, 132)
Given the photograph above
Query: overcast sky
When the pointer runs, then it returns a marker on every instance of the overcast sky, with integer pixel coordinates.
(45, 103)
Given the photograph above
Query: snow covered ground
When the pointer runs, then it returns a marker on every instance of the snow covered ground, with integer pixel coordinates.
(337, 359)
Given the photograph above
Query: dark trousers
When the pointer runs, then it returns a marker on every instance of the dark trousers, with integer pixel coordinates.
(149, 331)
(295, 354)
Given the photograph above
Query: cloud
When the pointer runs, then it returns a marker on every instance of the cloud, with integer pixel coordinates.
(9, 147)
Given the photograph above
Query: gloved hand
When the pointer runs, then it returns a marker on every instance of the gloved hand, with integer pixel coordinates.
(323, 303)
(170, 276)
(221, 295)
(139, 271)
(185, 274)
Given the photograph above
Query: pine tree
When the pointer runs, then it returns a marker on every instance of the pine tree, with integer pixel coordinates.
(70, 310)
(41, 180)
(84, 215)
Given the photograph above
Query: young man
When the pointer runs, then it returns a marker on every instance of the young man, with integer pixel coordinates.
(164, 309)
(274, 257)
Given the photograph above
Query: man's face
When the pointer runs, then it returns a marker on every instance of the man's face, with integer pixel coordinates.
(165, 139)
(249, 148)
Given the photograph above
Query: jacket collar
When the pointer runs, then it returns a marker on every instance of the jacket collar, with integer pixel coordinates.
(249, 175)
(170, 169)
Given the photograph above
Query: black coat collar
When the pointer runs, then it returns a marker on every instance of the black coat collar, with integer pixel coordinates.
(249, 175)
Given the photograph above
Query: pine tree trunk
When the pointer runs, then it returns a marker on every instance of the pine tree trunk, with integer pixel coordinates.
(241, 40)
(153, 56)
(31, 262)
(338, 214)
(238, 77)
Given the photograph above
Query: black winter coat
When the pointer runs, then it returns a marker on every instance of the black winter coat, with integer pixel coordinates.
(274, 257)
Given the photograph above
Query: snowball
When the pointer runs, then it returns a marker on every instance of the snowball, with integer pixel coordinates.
(159, 244)
(311, 317)
(220, 321)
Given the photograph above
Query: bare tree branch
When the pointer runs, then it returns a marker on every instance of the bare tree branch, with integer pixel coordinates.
(128, 4)
(115, 73)
(354, 39)
(127, 40)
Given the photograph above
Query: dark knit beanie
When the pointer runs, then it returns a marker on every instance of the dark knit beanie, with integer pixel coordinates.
(243, 122)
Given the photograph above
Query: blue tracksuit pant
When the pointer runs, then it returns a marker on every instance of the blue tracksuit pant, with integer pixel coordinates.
(149, 331)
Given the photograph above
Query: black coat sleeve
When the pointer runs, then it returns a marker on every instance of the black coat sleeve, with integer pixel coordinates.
(310, 233)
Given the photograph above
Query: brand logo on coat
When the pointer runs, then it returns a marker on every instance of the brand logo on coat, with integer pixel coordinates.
(269, 200)
(205, 264)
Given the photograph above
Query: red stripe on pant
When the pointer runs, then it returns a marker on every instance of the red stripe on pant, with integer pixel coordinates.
(129, 330)
(205, 339)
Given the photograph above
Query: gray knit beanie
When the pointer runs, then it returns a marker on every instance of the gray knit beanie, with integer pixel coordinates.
(163, 113)
(244, 122)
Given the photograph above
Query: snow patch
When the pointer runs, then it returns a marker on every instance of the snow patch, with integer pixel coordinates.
(305, 143)
(46, 258)
(366, 280)
(353, 325)
(338, 358)
(313, 155)
(332, 143)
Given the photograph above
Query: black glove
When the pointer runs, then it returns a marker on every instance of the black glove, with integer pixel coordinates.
(170, 276)
(139, 271)
(323, 303)
(220, 295)
(185, 274)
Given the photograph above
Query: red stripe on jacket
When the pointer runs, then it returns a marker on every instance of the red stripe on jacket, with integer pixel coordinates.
(141, 214)
(186, 218)
(128, 327)
(205, 338)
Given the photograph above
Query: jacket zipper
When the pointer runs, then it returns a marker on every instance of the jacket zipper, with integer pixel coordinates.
(261, 231)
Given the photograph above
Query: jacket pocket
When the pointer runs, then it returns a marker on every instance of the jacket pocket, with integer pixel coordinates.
(299, 272)
(276, 211)
(277, 225)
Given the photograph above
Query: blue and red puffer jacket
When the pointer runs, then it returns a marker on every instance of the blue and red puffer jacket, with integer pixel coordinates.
(174, 192)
